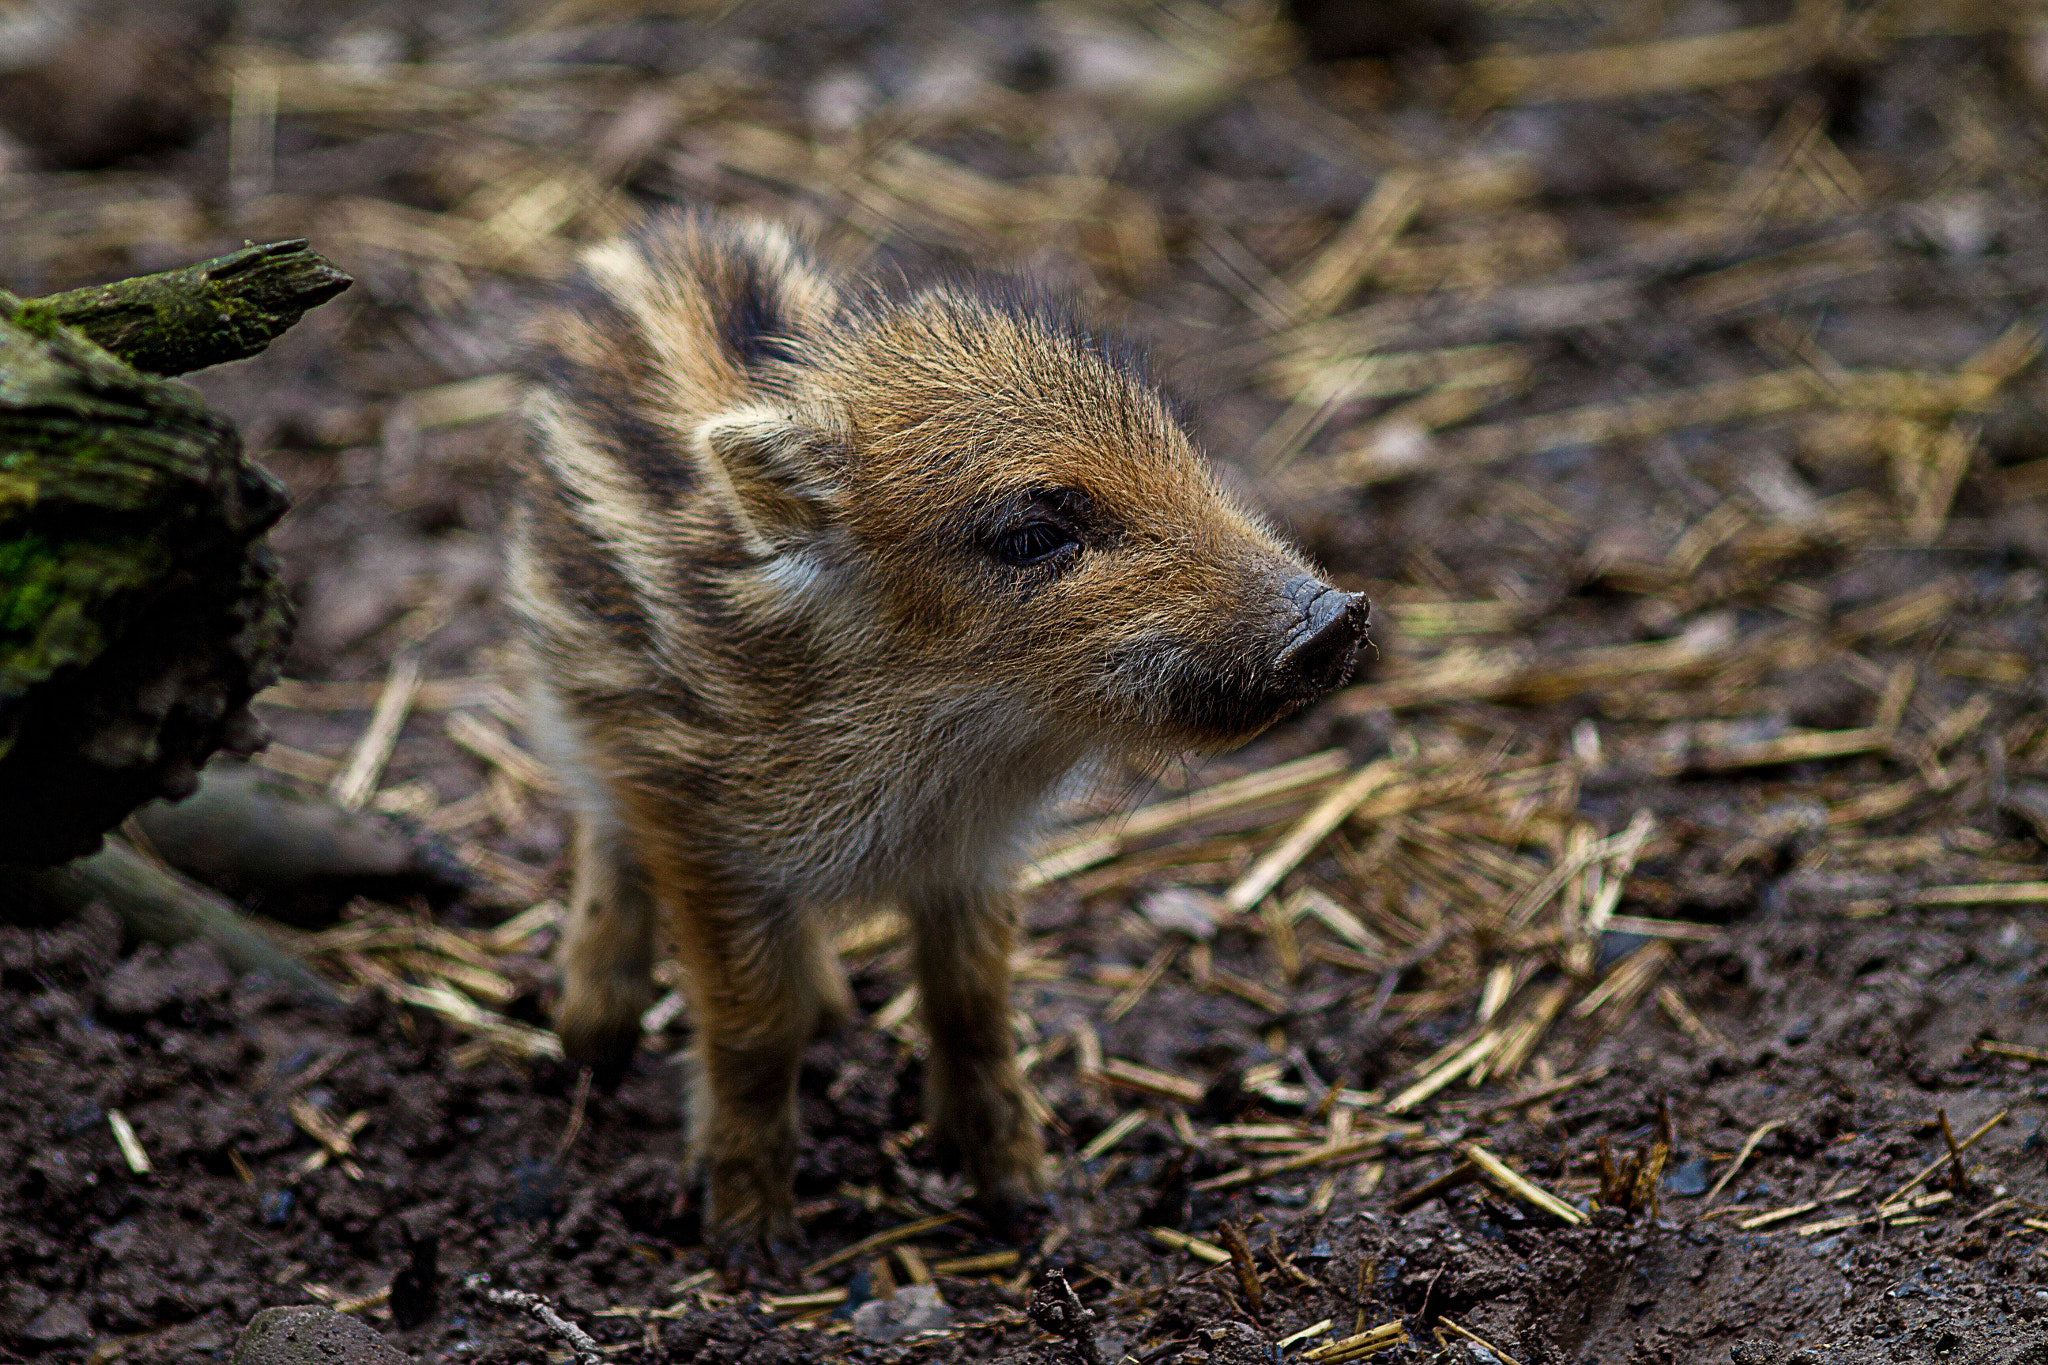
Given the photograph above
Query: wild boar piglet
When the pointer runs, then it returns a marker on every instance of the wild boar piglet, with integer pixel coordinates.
(822, 587)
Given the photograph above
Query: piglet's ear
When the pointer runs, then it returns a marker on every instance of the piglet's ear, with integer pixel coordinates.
(772, 474)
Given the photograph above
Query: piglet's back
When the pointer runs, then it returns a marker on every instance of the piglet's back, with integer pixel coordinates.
(685, 319)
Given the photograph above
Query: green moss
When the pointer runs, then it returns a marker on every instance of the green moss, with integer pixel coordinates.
(126, 505)
(55, 595)
(37, 322)
(27, 580)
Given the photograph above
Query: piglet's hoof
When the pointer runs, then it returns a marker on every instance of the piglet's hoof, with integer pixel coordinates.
(749, 1259)
(607, 1050)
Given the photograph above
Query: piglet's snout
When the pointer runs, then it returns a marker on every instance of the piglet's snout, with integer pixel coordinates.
(1322, 648)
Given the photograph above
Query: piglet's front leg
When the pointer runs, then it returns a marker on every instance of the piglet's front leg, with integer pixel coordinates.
(975, 1095)
(761, 981)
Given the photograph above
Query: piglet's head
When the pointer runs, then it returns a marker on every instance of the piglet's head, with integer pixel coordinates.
(971, 496)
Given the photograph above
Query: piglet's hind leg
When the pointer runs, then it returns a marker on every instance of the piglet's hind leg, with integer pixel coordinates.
(607, 955)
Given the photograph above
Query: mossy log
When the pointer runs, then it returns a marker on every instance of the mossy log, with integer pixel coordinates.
(225, 309)
(139, 608)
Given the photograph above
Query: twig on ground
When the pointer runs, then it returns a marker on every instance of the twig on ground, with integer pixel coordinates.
(1057, 1309)
(886, 1238)
(357, 782)
(1247, 1273)
(1206, 1252)
(579, 1341)
(1497, 1171)
(1954, 1154)
(1460, 1175)
(1359, 1346)
(1741, 1157)
(1958, 1180)
(158, 905)
(132, 1150)
(1333, 1153)
(1475, 1338)
(575, 1124)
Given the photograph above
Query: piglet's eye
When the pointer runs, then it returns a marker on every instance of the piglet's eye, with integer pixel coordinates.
(1032, 543)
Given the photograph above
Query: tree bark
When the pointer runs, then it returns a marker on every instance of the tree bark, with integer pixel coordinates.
(139, 609)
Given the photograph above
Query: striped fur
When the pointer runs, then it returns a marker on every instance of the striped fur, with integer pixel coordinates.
(783, 653)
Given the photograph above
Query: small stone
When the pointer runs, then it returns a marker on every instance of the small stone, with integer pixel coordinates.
(839, 101)
(118, 1240)
(533, 1197)
(21, 1301)
(276, 1208)
(1690, 1179)
(83, 1119)
(1959, 223)
(916, 1308)
(312, 1334)
(1184, 909)
(2026, 1353)
(61, 1324)
(1233, 1343)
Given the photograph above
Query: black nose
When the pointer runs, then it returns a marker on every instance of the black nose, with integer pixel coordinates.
(1323, 645)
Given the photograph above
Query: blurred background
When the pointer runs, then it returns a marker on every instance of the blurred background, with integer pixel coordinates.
(1665, 370)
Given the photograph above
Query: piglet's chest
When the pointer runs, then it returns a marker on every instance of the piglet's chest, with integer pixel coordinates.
(920, 802)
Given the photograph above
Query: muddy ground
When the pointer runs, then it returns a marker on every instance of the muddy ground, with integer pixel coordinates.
(1874, 208)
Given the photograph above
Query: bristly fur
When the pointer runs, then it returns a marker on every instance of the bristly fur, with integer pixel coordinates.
(821, 589)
